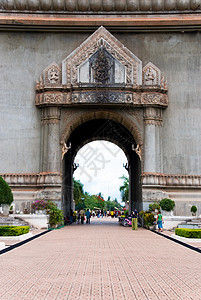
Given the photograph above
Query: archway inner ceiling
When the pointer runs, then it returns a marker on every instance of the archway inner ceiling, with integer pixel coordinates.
(101, 129)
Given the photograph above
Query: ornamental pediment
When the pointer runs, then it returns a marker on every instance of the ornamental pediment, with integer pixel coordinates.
(101, 70)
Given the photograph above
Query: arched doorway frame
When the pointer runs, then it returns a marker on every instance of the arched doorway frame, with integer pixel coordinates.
(134, 173)
(142, 90)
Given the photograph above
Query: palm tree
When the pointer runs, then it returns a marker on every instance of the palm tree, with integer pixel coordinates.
(124, 189)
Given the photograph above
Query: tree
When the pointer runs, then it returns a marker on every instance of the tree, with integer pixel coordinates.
(112, 205)
(78, 191)
(124, 189)
(6, 195)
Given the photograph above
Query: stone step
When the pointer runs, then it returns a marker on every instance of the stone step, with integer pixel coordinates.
(10, 221)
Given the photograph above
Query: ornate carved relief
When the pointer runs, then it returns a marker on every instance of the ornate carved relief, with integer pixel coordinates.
(102, 97)
(102, 38)
(154, 98)
(151, 75)
(53, 98)
(102, 71)
(101, 67)
(52, 74)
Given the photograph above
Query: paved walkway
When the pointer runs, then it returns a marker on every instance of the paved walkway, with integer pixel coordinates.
(100, 261)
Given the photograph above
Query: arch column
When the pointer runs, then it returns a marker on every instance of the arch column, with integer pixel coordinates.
(50, 143)
(152, 141)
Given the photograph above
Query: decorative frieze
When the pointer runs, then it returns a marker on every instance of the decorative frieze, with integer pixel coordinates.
(52, 98)
(148, 179)
(171, 180)
(33, 179)
(101, 96)
(123, 6)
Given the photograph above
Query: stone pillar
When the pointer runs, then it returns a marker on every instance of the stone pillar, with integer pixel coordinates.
(44, 140)
(50, 139)
(152, 141)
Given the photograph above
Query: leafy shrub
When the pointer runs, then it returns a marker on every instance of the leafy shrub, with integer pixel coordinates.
(149, 219)
(154, 206)
(6, 195)
(142, 213)
(56, 216)
(188, 233)
(193, 209)
(167, 204)
(13, 230)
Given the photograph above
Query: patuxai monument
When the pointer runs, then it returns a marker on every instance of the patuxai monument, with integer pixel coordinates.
(124, 71)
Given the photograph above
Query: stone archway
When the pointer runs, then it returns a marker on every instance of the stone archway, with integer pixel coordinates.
(102, 129)
(101, 80)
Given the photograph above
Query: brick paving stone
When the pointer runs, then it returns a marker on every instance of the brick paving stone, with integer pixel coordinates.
(100, 261)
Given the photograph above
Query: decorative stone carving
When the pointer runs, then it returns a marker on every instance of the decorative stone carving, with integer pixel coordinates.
(138, 150)
(101, 97)
(101, 70)
(52, 74)
(153, 116)
(101, 67)
(157, 179)
(103, 5)
(151, 75)
(154, 98)
(102, 38)
(64, 149)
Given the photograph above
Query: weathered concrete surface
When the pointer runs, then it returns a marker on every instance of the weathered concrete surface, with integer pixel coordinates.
(25, 55)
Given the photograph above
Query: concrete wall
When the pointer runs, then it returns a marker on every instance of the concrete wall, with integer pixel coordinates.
(177, 55)
(23, 56)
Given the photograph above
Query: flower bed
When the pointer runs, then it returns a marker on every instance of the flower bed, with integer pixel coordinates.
(188, 233)
(13, 230)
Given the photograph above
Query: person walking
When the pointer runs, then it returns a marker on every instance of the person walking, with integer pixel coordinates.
(88, 216)
(82, 213)
(134, 216)
(78, 217)
(159, 221)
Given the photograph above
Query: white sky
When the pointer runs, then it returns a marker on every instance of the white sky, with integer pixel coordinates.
(100, 166)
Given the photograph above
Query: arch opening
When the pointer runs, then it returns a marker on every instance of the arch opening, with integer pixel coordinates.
(108, 130)
(99, 166)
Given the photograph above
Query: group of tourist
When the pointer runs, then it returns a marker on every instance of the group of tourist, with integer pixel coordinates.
(134, 217)
(83, 215)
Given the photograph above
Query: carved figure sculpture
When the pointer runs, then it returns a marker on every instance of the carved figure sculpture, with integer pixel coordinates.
(53, 75)
(101, 67)
(138, 150)
(64, 149)
(150, 77)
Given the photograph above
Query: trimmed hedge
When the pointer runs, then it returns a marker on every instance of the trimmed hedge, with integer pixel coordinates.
(6, 195)
(13, 230)
(188, 233)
